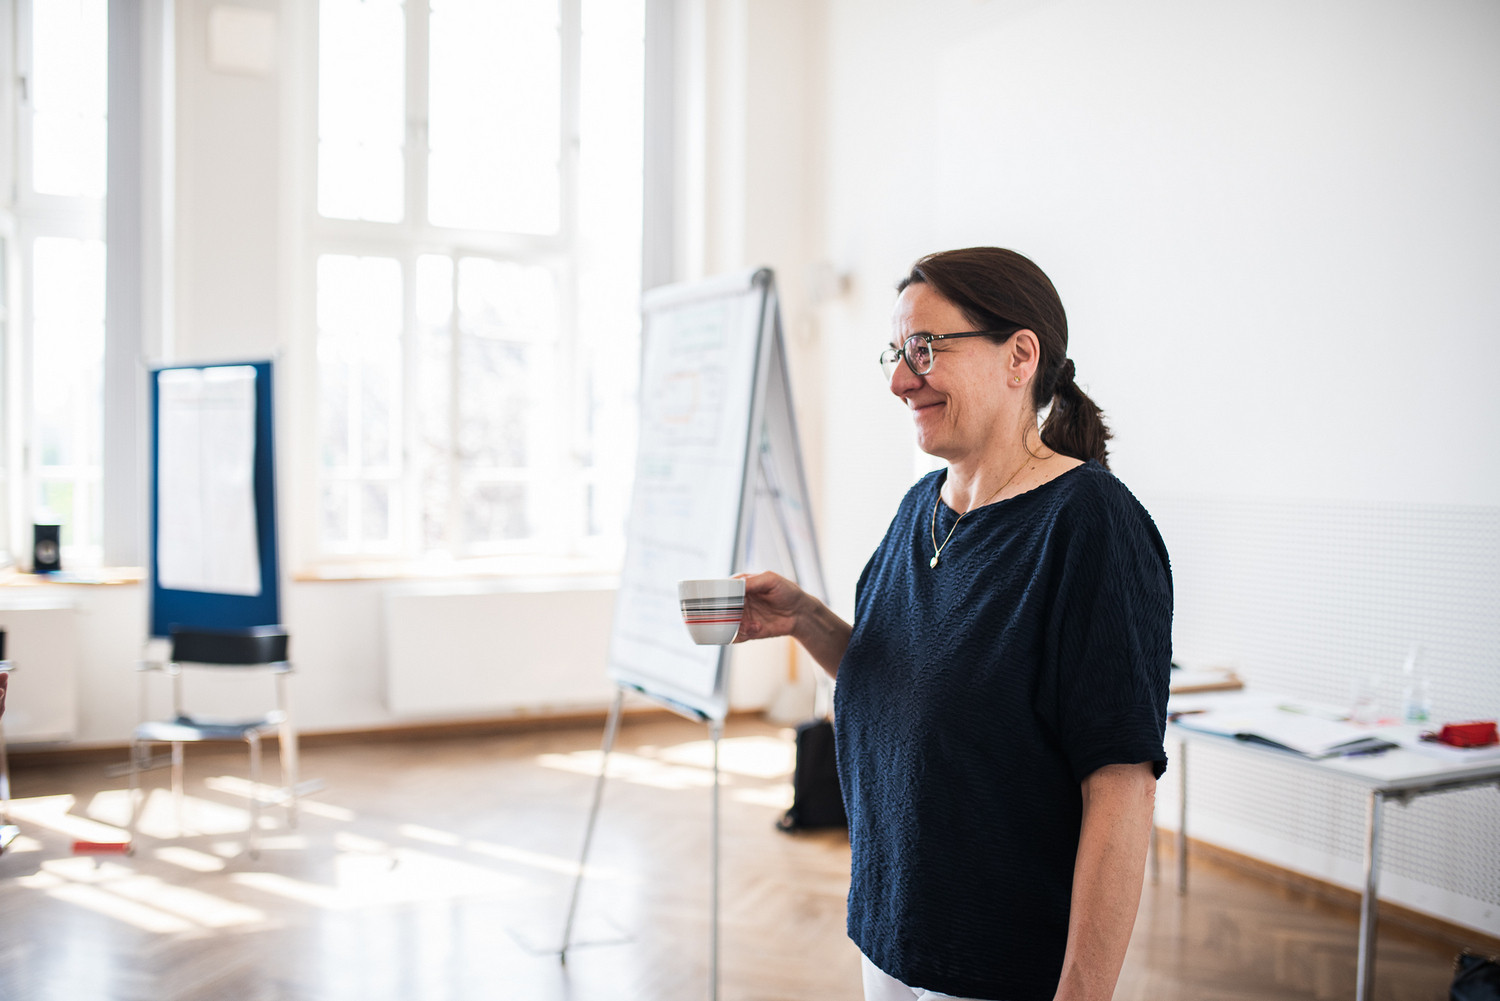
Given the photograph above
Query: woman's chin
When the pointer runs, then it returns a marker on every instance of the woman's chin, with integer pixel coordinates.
(932, 444)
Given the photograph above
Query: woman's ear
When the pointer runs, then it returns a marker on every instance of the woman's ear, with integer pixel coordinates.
(1025, 353)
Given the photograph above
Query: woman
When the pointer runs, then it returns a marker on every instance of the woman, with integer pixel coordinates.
(1002, 690)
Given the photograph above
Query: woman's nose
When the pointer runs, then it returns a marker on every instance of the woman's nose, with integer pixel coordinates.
(903, 379)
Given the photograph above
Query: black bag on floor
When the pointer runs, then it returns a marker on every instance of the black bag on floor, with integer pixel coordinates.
(1475, 979)
(817, 800)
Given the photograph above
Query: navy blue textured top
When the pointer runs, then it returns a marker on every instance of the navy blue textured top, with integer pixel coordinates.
(972, 701)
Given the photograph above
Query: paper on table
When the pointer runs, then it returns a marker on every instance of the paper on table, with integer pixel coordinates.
(207, 536)
(1308, 735)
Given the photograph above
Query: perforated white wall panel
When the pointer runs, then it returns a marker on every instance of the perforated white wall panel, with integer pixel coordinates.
(1309, 599)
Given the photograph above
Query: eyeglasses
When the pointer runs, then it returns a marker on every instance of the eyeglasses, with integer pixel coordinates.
(916, 350)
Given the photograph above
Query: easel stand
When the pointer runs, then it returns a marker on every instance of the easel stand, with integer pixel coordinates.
(611, 728)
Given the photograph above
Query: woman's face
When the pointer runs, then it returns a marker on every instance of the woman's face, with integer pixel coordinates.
(963, 402)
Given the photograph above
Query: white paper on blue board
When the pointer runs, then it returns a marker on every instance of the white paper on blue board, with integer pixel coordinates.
(206, 537)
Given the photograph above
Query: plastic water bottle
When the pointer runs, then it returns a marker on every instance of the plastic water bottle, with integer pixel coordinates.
(1416, 693)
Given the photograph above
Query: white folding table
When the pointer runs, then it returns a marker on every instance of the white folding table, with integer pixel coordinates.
(1399, 774)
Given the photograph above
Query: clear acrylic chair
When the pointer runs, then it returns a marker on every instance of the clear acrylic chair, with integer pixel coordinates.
(262, 648)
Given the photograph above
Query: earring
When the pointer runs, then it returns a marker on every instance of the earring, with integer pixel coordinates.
(1016, 379)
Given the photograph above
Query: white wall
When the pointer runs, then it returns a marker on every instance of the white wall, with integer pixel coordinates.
(231, 137)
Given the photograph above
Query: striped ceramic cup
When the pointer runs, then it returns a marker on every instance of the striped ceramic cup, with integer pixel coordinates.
(711, 609)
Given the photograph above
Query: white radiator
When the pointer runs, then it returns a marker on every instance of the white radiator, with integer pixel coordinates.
(41, 642)
(464, 650)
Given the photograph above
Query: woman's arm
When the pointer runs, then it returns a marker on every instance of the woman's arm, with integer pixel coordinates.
(1107, 877)
(775, 606)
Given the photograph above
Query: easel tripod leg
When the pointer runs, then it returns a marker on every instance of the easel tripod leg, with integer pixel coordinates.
(588, 834)
(717, 729)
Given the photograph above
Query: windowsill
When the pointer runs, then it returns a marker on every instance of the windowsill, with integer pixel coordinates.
(99, 575)
(583, 569)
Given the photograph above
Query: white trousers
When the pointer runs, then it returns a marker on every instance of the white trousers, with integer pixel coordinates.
(881, 986)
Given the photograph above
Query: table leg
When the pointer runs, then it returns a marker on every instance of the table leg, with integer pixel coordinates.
(1182, 817)
(1364, 984)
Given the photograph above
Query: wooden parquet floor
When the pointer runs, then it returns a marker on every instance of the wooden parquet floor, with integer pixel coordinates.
(440, 870)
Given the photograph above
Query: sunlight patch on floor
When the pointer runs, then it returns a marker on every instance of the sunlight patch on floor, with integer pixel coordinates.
(552, 863)
(189, 858)
(687, 765)
(431, 835)
(146, 902)
(55, 814)
(202, 909)
(777, 797)
(112, 806)
(369, 873)
(504, 853)
(349, 841)
(627, 767)
(286, 887)
(326, 811)
(160, 817)
(753, 757)
(103, 902)
(270, 797)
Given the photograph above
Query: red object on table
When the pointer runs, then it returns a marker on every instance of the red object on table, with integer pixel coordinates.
(1478, 733)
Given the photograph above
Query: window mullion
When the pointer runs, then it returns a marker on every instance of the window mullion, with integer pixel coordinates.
(418, 18)
(409, 486)
(25, 94)
(454, 526)
(565, 480)
(361, 474)
(571, 23)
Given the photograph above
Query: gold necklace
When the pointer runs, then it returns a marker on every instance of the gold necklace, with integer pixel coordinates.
(937, 550)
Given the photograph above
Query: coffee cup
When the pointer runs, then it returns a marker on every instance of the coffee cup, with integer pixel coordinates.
(711, 609)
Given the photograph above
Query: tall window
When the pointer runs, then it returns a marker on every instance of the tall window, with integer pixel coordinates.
(478, 268)
(56, 222)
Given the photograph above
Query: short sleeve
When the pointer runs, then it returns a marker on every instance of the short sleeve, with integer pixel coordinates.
(1103, 690)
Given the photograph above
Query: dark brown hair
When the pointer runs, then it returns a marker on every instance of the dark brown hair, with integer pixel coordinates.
(996, 288)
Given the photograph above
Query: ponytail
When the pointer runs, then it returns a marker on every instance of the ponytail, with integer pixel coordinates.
(1075, 425)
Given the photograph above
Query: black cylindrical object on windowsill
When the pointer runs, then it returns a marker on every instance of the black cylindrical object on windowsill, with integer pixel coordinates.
(46, 548)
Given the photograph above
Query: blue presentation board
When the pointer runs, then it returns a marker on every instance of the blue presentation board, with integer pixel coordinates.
(202, 609)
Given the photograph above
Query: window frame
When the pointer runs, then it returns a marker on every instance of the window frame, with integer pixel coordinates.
(562, 540)
(25, 217)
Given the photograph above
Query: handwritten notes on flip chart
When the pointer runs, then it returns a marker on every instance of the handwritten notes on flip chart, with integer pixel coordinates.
(702, 352)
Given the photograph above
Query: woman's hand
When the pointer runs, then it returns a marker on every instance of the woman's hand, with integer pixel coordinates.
(775, 606)
(771, 606)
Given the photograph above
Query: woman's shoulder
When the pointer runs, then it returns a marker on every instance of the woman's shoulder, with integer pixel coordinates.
(1091, 495)
(1092, 480)
(925, 490)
